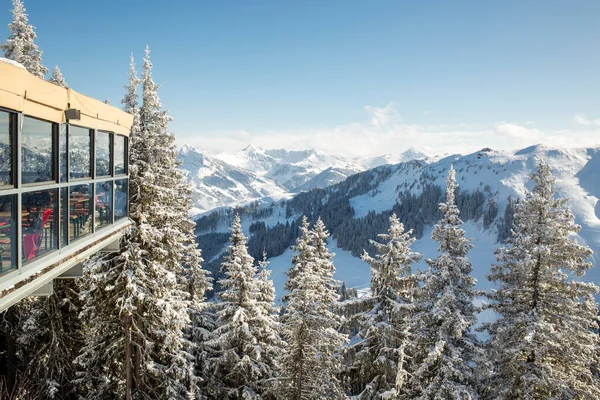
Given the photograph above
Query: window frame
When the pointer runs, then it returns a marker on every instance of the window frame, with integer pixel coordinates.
(92, 165)
(12, 137)
(54, 146)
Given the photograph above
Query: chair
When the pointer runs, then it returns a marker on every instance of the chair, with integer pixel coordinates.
(32, 241)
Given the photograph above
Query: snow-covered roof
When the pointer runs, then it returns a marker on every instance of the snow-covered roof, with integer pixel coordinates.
(11, 62)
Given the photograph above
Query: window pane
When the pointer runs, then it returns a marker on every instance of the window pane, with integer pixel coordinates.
(38, 223)
(103, 204)
(5, 150)
(102, 154)
(120, 199)
(80, 217)
(64, 216)
(62, 145)
(80, 141)
(120, 155)
(8, 231)
(36, 156)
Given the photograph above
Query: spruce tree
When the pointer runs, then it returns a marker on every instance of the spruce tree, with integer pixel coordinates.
(57, 78)
(20, 46)
(543, 346)
(310, 362)
(383, 336)
(445, 349)
(138, 302)
(241, 363)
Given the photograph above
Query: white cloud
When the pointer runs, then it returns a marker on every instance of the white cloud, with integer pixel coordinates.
(581, 119)
(515, 131)
(385, 133)
(381, 117)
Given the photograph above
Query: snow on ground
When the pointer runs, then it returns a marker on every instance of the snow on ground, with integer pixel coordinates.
(352, 270)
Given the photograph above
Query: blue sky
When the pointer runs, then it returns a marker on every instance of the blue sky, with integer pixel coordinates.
(352, 77)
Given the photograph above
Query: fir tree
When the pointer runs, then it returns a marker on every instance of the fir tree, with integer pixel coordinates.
(241, 363)
(445, 349)
(311, 363)
(50, 336)
(544, 344)
(378, 356)
(137, 301)
(20, 46)
(57, 78)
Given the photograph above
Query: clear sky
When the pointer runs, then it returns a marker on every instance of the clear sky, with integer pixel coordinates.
(349, 77)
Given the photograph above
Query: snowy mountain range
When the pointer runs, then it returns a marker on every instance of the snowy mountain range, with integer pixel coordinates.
(236, 178)
(487, 179)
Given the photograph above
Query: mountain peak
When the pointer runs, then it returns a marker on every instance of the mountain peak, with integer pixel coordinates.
(252, 149)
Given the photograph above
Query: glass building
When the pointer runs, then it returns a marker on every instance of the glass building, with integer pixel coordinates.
(63, 182)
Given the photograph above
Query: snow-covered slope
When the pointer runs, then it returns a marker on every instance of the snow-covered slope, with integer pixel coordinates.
(498, 174)
(216, 183)
(235, 178)
(408, 155)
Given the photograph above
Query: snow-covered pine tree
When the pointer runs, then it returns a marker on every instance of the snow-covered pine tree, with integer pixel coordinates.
(543, 346)
(50, 337)
(20, 46)
(137, 300)
(57, 78)
(240, 363)
(310, 362)
(378, 356)
(445, 349)
(202, 318)
(268, 329)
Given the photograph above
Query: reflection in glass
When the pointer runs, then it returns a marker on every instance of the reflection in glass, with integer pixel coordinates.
(103, 204)
(80, 141)
(120, 155)
(64, 216)
(8, 230)
(36, 151)
(102, 154)
(5, 150)
(120, 199)
(80, 216)
(38, 223)
(62, 149)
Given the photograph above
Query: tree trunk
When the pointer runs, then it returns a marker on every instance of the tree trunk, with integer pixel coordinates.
(128, 378)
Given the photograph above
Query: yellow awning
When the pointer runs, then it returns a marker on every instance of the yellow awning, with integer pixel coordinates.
(33, 96)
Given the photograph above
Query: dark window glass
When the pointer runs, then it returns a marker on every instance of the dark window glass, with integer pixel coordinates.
(120, 198)
(103, 204)
(65, 222)
(80, 149)
(6, 141)
(102, 154)
(38, 223)
(62, 148)
(120, 155)
(36, 151)
(80, 217)
(8, 231)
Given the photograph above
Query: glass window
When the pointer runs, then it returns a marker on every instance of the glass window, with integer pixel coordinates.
(6, 141)
(62, 148)
(8, 230)
(64, 216)
(120, 155)
(36, 151)
(80, 149)
(38, 223)
(103, 154)
(103, 203)
(120, 198)
(80, 216)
